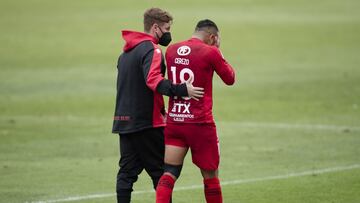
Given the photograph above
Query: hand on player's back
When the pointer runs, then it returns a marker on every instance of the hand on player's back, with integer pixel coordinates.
(194, 92)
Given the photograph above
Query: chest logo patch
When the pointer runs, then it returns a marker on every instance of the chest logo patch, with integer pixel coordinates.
(183, 50)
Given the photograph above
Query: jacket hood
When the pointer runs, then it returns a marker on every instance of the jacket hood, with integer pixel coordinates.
(133, 38)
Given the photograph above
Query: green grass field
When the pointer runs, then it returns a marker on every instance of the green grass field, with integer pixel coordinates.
(289, 128)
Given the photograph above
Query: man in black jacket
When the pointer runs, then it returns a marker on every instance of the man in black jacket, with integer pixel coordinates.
(139, 113)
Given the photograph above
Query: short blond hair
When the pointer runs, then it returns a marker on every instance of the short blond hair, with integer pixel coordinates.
(156, 15)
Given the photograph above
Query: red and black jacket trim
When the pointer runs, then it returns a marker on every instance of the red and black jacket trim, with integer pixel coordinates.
(141, 84)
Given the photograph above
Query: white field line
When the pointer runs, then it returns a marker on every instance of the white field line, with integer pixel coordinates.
(223, 183)
(292, 126)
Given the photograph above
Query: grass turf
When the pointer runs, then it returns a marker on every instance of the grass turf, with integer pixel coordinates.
(297, 63)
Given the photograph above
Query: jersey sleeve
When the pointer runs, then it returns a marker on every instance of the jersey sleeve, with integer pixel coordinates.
(154, 78)
(222, 67)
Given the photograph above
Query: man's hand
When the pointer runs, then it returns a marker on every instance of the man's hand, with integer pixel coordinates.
(194, 92)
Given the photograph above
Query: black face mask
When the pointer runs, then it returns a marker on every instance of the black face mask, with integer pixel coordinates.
(165, 39)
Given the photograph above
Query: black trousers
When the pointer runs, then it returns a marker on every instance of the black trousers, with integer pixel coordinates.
(140, 150)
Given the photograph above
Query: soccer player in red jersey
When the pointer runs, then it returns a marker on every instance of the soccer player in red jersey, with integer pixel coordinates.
(190, 123)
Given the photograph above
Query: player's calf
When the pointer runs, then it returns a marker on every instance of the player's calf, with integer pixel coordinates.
(212, 190)
(166, 183)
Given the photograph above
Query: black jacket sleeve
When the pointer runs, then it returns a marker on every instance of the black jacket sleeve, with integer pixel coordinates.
(166, 87)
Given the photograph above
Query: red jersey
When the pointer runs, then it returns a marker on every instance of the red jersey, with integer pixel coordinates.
(194, 57)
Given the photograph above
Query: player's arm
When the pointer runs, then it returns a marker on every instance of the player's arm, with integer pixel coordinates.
(222, 67)
(156, 81)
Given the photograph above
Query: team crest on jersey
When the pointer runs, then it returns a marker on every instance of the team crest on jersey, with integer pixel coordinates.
(183, 50)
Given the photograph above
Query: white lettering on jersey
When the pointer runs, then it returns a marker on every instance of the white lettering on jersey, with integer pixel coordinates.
(181, 108)
(182, 61)
(180, 111)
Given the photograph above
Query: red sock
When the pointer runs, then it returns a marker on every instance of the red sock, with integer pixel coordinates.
(164, 189)
(212, 190)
